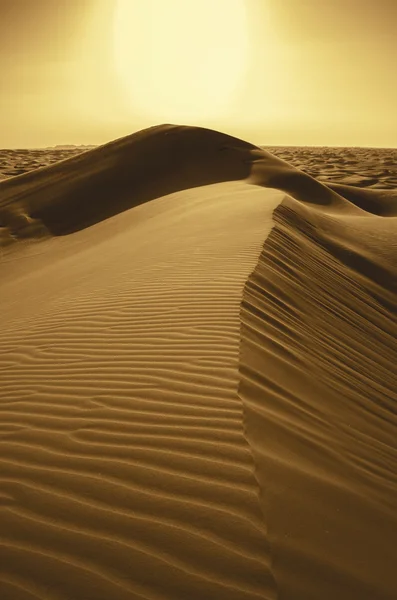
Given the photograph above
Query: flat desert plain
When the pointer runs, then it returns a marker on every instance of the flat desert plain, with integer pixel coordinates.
(198, 375)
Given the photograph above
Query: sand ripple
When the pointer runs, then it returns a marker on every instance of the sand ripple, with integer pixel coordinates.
(125, 472)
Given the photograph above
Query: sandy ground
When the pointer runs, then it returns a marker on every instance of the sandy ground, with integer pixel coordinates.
(19, 161)
(364, 167)
(198, 392)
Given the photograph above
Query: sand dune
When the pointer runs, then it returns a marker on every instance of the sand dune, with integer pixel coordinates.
(197, 377)
(320, 312)
(91, 186)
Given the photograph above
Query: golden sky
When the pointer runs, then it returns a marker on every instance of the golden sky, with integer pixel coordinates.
(287, 72)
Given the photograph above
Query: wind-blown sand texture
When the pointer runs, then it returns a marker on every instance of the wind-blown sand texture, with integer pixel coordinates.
(19, 161)
(198, 387)
(363, 167)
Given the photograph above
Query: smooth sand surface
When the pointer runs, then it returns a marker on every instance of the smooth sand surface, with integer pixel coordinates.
(198, 389)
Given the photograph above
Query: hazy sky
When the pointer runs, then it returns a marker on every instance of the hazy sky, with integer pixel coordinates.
(292, 72)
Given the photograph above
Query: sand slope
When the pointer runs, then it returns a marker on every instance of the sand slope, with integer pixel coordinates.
(189, 406)
(125, 472)
(94, 185)
(319, 386)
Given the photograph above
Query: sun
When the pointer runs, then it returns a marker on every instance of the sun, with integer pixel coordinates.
(180, 60)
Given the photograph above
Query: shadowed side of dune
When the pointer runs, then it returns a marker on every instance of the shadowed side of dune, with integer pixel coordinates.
(348, 221)
(99, 183)
(378, 202)
(318, 382)
(83, 190)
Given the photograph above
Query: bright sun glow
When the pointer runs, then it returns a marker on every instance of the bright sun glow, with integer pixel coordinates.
(180, 59)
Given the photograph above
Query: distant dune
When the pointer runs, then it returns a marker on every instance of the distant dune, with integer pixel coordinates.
(71, 146)
(198, 383)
